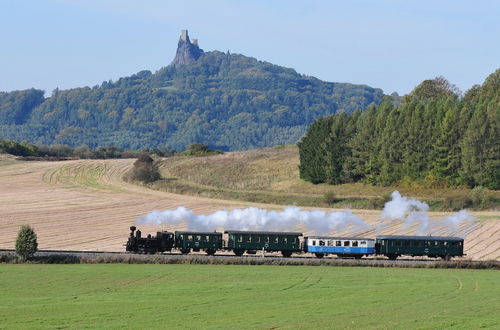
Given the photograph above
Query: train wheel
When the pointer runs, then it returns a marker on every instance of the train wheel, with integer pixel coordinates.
(210, 252)
(185, 250)
(358, 257)
(392, 256)
(286, 254)
(319, 255)
(239, 253)
(446, 257)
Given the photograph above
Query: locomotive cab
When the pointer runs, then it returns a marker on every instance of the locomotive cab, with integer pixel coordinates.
(161, 242)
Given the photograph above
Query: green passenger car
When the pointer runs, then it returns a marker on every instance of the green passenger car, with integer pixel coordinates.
(431, 246)
(196, 241)
(253, 241)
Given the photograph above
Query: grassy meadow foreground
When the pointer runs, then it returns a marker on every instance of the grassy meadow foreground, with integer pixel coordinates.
(199, 296)
(87, 204)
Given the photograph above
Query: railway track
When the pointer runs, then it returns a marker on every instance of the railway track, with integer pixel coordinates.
(221, 257)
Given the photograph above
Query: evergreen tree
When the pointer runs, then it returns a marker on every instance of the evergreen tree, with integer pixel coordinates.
(312, 149)
(26, 242)
(446, 155)
(356, 166)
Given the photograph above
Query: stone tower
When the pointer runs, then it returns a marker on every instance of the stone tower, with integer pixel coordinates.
(187, 52)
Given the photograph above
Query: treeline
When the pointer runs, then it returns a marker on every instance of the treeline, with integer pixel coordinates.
(226, 101)
(58, 151)
(435, 138)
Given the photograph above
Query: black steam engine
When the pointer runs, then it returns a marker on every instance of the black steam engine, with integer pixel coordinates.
(162, 242)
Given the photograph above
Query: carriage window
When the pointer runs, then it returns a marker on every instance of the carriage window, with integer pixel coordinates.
(397, 243)
(198, 237)
(426, 243)
(445, 243)
(460, 243)
(322, 243)
(330, 243)
(436, 243)
(240, 238)
(354, 243)
(207, 238)
(276, 239)
(314, 242)
(190, 237)
(347, 243)
(267, 239)
(257, 239)
(383, 242)
(406, 243)
(249, 238)
(338, 243)
(362, 243)
(285, 240)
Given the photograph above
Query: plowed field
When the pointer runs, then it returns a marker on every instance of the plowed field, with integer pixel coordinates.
(86, 205)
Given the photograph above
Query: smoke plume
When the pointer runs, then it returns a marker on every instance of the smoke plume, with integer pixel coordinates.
(252, 218)
(402, 214)
(405, 213)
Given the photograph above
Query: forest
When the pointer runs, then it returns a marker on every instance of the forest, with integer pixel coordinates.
(434, 138)
(227, 101)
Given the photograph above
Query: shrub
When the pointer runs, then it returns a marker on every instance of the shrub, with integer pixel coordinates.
(457, 203)
(329, 198)
(145, 169)
(379, 202)
(200, 149)
(26, 243)
(480, 197)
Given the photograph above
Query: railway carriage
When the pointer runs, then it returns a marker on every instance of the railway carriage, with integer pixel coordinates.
(253, 241)
(431, 246)
(239, 242)
(347, 247)
(187, 241)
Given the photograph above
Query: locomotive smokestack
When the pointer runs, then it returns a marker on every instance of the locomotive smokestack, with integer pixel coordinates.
(132, 229)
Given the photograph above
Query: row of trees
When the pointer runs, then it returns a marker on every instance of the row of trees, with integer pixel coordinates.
(434, 138)
(25, 149)
(227, 101)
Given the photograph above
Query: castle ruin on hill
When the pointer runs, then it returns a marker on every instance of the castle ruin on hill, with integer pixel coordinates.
(187, 51)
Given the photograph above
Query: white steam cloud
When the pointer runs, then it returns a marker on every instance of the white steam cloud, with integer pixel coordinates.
(407, 215)
(252, 218)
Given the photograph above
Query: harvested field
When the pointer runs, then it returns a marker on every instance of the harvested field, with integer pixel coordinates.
(86, 205)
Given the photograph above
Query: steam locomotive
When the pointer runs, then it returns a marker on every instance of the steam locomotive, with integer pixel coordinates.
(288, 243)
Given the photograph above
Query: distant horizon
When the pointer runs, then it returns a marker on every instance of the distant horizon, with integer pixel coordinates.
(383, 44)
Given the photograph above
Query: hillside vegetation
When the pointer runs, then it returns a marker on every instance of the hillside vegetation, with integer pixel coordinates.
(434, 138)
(272, 176)
(227, 101)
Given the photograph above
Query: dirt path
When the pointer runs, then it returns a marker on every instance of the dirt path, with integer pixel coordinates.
(85, 205)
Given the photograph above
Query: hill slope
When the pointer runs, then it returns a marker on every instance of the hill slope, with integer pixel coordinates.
(85, 205)
(228, 101)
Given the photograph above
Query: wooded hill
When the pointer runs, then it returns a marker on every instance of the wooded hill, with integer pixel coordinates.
(227, 101)
(434, 138)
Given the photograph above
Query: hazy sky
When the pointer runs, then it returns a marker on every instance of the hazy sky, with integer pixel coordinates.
(393, 45)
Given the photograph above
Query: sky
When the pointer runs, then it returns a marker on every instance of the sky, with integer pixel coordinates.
(388, 44)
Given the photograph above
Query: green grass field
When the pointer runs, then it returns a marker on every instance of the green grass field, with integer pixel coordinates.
(230, 297)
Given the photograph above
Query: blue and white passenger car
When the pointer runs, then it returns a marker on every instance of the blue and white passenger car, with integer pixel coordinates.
(347, 247)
